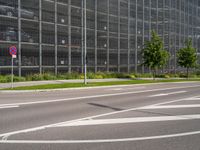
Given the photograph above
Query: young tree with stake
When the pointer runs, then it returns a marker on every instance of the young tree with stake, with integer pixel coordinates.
(154, 55)
(187, 56)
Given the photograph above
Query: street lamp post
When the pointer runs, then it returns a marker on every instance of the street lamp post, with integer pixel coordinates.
(85, 42)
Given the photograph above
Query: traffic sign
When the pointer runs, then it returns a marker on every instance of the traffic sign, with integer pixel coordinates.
(13, 50)
(13, 53)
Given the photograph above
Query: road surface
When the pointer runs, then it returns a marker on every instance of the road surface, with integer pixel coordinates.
(163, 116)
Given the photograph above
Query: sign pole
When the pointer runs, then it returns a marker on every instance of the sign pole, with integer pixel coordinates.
(12, 74)
(85, 43)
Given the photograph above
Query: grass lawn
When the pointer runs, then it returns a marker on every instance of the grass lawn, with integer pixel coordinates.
(76, 85)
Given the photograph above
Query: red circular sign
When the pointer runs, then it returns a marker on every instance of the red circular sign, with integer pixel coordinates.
(13, 50)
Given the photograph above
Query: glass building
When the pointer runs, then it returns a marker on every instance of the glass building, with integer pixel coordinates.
(49, 34)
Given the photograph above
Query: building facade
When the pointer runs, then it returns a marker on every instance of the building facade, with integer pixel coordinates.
(49, 34)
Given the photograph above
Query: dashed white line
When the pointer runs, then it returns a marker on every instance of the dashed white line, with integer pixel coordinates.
(165, 94)
(11, 106)
(172, 106)
(193, 99)
(129, 88)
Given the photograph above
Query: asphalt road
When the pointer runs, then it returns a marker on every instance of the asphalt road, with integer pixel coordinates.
(162, 116)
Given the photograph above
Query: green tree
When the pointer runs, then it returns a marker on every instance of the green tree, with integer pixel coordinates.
(187, 56)
(154, 55)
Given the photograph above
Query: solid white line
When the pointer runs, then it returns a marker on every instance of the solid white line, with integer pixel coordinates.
(94, 96)
(165, 94)
(173, 106)
(130, 120)
(86, 118)
(101, 140)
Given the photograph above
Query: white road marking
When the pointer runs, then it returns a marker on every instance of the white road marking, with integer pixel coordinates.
(94, 96)
(86, 118)
(129, 88)
(169, 102)
(115, 89)
(193, 99)
(102, 140)
(173, 106)
(130, 120)
(11, 106)
(165, 94)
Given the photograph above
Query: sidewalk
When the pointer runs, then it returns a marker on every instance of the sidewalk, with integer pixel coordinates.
(32, 83)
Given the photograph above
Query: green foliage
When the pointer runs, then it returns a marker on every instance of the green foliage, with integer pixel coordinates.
(49, 76)
(132, 76)
(187, 56)
(102, 74)
(5, 79)
(166, 76)
(34, 77)
(67, 76)
(19, 79)
(154, 55)
(145, 75)
(90, 75)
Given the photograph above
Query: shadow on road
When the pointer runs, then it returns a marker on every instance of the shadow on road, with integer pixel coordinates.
(104, 106)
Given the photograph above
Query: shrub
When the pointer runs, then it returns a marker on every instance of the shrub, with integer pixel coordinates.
(67, 76)
(91, 75)
(182, 75)
(110, 75)
(73, 75)
(193, 76)
(102, 74)
(132, 76)
(19, 79)
(167, 76)
(98, 76)
(7, 78)
(82, 76)
(60, 76)
(49, 76)
(174, 75)
(35, 77)
(145, 75)
(160, 76)
(3, 79)
(198, 73)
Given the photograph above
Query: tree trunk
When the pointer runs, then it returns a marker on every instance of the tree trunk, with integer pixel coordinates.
(187, 72)
(154, 74)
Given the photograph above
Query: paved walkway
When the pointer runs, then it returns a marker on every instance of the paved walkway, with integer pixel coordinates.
(32, 83)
